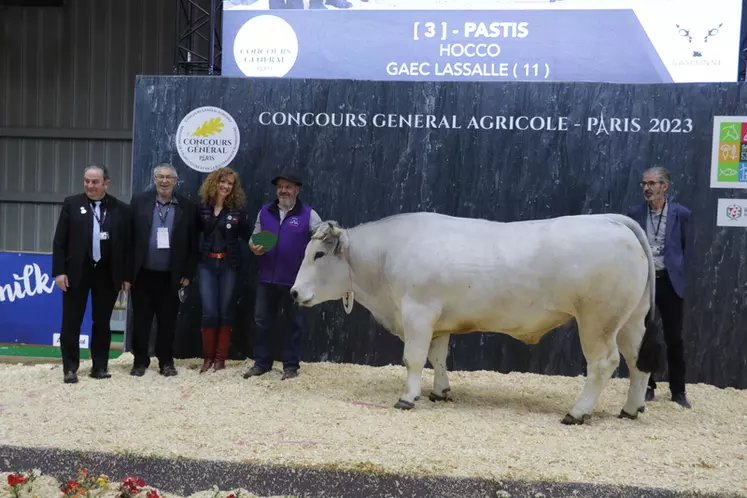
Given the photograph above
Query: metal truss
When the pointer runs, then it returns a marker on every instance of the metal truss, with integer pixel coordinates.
(198, 37)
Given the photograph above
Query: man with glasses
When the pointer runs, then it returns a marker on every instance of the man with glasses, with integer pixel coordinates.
(164, 234)
(669, 232)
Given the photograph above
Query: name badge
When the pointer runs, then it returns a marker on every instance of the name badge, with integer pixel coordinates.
(104, 235)
(162, 238)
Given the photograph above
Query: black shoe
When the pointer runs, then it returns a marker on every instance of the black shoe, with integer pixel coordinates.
(649, 394)
(138, 370)
(168, 371)
(256, 371)
(681, 399)
(290, 373)
(100, 374)
(71, 378)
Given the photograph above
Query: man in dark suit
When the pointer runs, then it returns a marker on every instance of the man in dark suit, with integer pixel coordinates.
(165, 254)
(91, 251)
(669, 232)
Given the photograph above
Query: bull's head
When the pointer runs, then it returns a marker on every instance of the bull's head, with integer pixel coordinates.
(324, 274)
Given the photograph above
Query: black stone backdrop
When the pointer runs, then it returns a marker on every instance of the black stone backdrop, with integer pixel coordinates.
(358, 174)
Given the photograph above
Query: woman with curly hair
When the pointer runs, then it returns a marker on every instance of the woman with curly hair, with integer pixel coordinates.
(223, 221)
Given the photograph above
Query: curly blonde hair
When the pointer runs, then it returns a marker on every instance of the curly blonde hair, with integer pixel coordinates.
(209, 189)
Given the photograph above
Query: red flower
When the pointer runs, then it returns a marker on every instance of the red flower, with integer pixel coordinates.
(16, 480)
(231, 496)
(153, 494)
(71, 484)
(131, 486)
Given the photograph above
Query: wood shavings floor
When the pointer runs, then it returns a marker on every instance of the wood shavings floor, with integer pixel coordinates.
(341, 416)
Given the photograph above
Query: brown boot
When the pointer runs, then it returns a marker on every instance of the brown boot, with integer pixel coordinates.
(221, 350)
(208, 348)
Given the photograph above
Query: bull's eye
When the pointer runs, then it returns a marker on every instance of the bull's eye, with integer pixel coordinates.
(318, 255)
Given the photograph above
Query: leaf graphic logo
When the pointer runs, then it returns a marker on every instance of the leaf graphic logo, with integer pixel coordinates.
(208, 138)
(209, 127)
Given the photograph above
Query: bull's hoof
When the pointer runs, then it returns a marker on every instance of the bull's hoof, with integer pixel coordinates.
(641, 409)
(624, 414)
(435, 397)
(404, 405)
(571, 420)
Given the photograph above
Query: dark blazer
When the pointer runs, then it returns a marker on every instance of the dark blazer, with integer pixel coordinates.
(72, 238)
(241, 227)
(678, 241)
(183, 244)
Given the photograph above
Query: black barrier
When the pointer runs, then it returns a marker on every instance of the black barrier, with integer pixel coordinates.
(501, 151)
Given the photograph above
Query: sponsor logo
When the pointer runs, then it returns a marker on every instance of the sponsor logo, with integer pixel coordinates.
(265, 45)
(731, 150)
(82, 341)
(733, 212)
(207, 139)
(32, 281)
(696, 49)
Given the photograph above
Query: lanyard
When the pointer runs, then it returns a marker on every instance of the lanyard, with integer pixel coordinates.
(651, 217)
(163, 217)
(101, 207)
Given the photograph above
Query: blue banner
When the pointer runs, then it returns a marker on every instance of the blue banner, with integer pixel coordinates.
(31, 303)
(623, 41)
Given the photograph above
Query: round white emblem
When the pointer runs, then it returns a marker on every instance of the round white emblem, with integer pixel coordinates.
(228, 226)
(207, 139)
(265, 45)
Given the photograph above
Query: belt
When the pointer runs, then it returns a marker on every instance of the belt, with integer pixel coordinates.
(217, 255)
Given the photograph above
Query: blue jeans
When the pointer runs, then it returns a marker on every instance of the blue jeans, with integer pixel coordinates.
(270, 298)
(217, 290)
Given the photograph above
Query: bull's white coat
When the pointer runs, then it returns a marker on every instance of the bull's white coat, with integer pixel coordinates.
(424, 276)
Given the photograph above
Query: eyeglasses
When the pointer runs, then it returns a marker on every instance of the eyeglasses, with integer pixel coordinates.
(649, 184)
(164, 177)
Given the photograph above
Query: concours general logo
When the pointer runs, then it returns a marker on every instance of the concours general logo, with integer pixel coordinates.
(207, 139)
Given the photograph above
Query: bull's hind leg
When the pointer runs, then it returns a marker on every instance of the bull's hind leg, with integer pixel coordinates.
(437, 355)
(602, 358)
(418, 320)
(629, 340)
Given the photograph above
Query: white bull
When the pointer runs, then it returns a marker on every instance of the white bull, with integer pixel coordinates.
(424, 276)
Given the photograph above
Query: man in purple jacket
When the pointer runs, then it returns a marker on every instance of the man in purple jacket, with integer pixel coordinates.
(292, 221)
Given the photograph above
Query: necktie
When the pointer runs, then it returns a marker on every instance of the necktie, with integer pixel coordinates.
(96, 233)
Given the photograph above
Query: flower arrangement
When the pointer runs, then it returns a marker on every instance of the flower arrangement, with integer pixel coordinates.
(131, 486)
(21, 482)
(33, 484)
(85, 486)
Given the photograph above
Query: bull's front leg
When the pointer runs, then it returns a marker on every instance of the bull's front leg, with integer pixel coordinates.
(418, 322)
(437, 354)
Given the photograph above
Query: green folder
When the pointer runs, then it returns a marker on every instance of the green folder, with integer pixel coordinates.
(265, 239)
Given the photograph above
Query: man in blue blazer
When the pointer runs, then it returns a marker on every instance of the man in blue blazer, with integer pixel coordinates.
(669, 231)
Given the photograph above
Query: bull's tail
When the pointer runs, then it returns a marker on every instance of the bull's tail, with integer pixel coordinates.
(651, 352)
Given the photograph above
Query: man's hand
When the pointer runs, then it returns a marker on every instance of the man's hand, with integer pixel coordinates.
(258, 250)
(61, 282)
(126, 286)
(184, 282)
